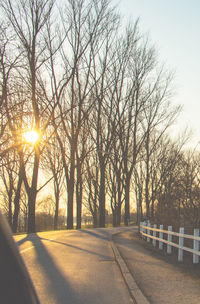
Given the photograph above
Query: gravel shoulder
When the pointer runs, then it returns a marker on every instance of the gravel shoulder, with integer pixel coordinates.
(160, 277)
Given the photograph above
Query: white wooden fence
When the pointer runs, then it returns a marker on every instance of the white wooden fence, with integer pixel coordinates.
(157, 235)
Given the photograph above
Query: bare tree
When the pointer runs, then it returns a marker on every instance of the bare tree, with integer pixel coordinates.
(28, 20)
(86, 22)
(91, 186)
(116, 188)
(159, 115)
(96, 96)
(145, 110)
(8, 177)
(165, 168)
(52, 163)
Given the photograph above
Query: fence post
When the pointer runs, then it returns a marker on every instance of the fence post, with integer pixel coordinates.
(161, 237)
(143, 229)
(196, 247)
(169, 238)
(140, 229)
(181, 243)
(154, 234)
(148, 232)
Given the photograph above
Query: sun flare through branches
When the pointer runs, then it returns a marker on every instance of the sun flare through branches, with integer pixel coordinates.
(30, 137)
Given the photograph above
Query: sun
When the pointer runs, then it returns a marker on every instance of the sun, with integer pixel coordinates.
(30, 137)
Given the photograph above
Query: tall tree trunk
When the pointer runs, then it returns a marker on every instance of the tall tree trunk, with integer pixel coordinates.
(119, 202)
(114, 215)
(17, 204)
(31, 211)
(56, 211)
(32, 193)
(95, 219)
(127, 203)
(17, 195)
(10, 208)
(147, 177)
(102, 197)
(70, 188)
(79, 191)
(78, 205)
(119, 215)
(70, 205)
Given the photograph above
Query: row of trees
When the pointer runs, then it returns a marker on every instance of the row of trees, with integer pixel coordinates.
(177, 197)
(100, 101)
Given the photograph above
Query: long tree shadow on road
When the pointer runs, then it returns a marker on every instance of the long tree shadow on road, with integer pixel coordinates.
(101, 234)
(57, 284)
(101, 256)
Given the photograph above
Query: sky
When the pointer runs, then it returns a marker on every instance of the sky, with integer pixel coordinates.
(174, 28)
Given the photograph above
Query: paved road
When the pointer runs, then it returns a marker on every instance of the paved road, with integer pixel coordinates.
(76, 267)
(160, 278)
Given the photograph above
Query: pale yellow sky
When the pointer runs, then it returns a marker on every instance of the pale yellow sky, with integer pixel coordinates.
(174, 28)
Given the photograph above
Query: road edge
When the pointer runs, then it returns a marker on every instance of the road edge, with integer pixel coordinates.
(133, 288)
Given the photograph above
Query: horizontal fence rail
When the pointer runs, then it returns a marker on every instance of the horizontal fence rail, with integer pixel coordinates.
(157, 236)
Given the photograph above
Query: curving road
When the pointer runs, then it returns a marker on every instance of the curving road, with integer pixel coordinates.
(76, 267)
(160, 277)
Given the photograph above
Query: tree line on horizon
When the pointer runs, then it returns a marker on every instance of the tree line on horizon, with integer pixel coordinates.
(101, 102)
